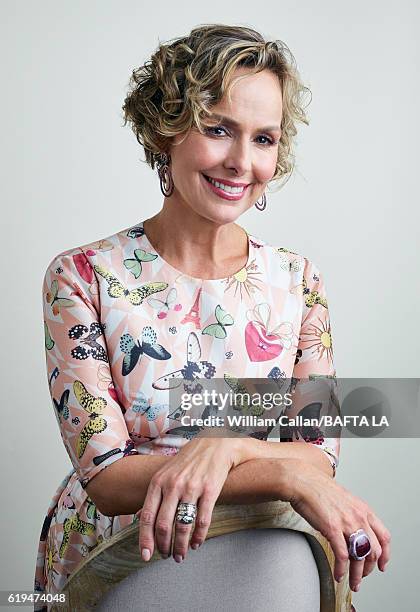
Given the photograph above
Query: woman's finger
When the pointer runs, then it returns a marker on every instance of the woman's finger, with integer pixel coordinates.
(147, 520)
(374, 555)
(203, 520)
(356, 573)
(341, 554)
(384, 538)
(182, 533)
(165, 522)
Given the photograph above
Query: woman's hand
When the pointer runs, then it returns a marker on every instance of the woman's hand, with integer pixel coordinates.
(197, 475)
(336, 513)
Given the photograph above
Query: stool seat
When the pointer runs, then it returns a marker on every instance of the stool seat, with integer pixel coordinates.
(117, 557)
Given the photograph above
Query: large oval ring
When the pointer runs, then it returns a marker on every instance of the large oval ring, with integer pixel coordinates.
(359, 545)
(186, 512)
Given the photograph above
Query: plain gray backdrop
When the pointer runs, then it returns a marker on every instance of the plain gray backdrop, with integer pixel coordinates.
(72, 174)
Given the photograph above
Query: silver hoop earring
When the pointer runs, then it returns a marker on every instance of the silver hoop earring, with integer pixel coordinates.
(165, 176)
(261, 205)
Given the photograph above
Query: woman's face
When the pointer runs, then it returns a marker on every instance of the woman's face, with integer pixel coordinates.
(240, 151)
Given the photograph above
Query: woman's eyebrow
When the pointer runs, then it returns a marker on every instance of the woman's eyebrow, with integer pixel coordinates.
(234, 123)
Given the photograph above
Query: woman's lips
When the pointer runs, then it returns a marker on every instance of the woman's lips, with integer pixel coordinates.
(224, 194)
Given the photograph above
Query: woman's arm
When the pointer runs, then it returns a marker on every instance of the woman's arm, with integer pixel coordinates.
(122, 487)
(90, 420)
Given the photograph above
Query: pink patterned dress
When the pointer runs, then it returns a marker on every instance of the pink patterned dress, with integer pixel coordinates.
(123, 327)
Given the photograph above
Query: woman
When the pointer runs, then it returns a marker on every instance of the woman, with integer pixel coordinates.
(187, 295)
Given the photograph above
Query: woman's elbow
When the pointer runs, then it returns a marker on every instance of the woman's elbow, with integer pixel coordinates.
(96, 491)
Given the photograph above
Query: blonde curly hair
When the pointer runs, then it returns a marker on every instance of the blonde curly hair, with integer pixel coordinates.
(175, 90)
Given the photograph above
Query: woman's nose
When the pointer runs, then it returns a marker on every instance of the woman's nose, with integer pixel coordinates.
(239, 157)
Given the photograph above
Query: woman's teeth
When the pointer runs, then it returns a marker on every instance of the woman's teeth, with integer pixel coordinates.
(226, 188)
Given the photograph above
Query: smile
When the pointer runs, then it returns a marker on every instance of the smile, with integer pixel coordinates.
(227, 188)
(229, 192)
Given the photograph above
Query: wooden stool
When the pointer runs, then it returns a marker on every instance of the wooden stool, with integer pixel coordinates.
(114, 559)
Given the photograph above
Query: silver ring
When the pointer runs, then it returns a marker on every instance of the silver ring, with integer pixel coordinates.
(186, 512)
(359, 545)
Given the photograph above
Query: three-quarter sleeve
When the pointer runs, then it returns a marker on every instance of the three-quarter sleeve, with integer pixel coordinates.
(314, 354)
(90, 419)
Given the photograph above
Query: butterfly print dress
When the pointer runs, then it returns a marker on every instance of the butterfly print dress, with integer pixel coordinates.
(123, 327)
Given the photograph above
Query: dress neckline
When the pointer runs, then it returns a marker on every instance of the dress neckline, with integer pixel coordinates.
(149, 246)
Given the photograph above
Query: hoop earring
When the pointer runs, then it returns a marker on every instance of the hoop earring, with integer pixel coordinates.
(261, 205)
(165, 176)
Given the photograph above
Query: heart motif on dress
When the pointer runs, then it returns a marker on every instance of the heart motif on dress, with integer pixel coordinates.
(263, 344)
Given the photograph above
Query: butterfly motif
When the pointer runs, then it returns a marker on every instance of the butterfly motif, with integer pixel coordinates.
(88, 345)
(129, 449)
(49, 342)
(260, 435)
(290, 265)
(276, 373)
(142, 406)
(74, 523)
(279, 376)
(218, 330)
(311, 297)
(91, 512)
(94, 406)
(134, 265)
(256, 245)
(229, 355)
(61, 406)
(136, 231)
(173, 329)
(55, 300)
(244, 406)
(163, 306)
(75, 421)
(309, 433)
(134, 349)
(192, 370)
(190, 431)
(99, 245)
(53, 376)
(135, 296)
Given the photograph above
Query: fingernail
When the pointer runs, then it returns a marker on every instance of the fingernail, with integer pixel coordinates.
(145, 554)
(195, 546)
(356, 588)
(340, 578)
(164, 555)
(178, 558)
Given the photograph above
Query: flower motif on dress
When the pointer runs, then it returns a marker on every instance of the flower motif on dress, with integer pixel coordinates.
(245, 280)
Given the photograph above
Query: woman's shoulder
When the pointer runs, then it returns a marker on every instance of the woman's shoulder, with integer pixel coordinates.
(282, 256)
(116, 241)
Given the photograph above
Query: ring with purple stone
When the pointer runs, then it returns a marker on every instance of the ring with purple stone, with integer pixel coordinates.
(359, 545)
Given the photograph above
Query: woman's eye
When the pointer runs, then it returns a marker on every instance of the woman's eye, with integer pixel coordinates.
(269, 141)
(212, 129)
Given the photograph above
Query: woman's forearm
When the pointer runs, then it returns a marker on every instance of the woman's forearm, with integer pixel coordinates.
(305, 451)
(121, 488)
(258, 480)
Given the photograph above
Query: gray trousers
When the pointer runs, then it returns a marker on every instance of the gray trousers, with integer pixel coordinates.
(255, 570)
